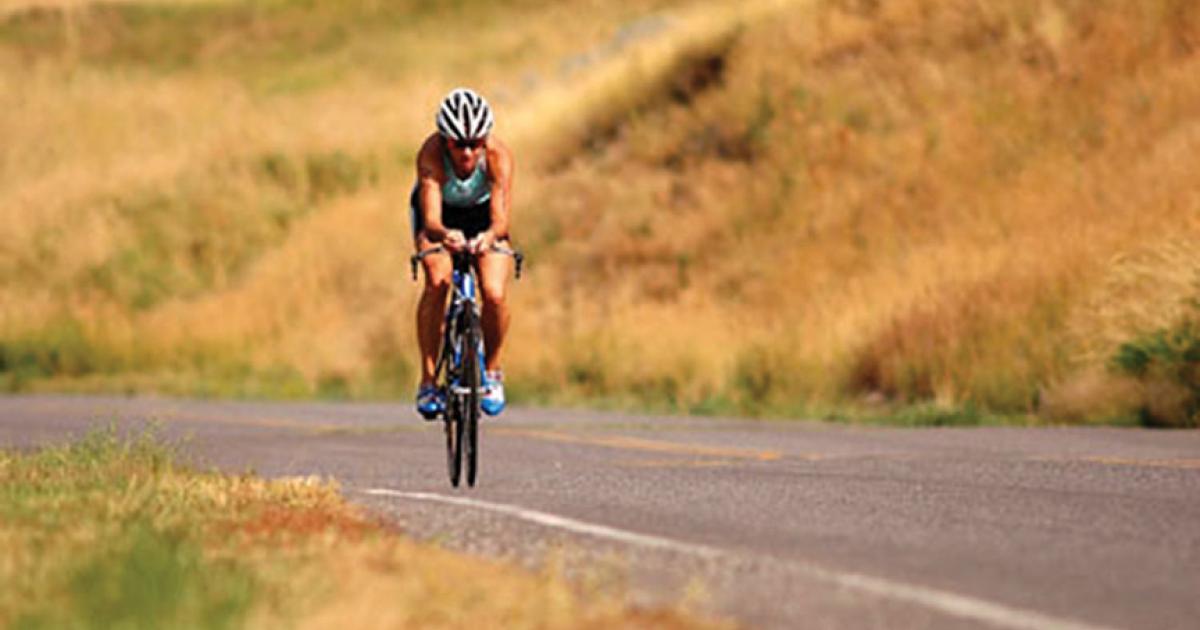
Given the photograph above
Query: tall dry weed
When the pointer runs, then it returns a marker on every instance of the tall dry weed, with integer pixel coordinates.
(1152, 287)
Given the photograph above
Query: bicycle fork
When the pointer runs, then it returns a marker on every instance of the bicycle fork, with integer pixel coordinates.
(464, 298)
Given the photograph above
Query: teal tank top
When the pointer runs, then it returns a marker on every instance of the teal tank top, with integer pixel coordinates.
(464, 193)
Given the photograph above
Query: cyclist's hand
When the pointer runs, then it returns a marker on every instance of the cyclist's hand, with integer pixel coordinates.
(455, 241)
(483, 242)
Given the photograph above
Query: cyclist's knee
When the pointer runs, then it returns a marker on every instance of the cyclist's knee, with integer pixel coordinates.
(436, 282)
(493, 279)
(494, 291)
(438, 272)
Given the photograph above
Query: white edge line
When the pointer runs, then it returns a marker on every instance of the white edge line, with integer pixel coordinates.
(942, 601)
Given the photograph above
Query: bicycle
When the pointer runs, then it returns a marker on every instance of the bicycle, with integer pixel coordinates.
(461, 360)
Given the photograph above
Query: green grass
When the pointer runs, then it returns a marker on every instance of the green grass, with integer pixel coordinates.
(61, 347)
(107, 532)
(146, 578)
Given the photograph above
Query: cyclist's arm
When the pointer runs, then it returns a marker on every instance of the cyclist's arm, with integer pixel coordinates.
(500, 166)
(430, 174)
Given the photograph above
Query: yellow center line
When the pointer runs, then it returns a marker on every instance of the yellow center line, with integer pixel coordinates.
(1186, 464)
(677, 463)
(1107, 460)
(640, 444)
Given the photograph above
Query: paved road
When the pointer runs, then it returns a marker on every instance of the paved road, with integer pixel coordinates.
(773, 524)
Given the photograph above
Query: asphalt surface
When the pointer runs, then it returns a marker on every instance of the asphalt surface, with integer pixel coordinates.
(771, 524)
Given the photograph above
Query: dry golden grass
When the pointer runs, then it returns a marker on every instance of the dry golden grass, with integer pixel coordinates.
(84, 142)
(1094, 395)
(617, 77)
(931, 192)
(391, 584)
(950, 201)
(1148, 288)
(8, 7)
(339, 278)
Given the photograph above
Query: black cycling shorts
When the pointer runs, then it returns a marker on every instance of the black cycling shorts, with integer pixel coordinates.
(471, 220)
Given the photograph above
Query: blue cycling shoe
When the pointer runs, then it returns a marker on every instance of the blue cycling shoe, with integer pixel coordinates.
(492, 402)
(430, 403)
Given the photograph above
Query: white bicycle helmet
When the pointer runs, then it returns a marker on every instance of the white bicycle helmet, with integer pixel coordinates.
(464, 115)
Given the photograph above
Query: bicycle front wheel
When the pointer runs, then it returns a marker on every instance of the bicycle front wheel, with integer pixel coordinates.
(471, 379)
(454, 439)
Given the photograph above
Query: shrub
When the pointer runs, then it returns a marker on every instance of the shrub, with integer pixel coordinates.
(60, 347)
(1167, 362)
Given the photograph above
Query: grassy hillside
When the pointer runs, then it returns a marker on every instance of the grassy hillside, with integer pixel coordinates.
(968, 207)
(949, 208)
(181, 178)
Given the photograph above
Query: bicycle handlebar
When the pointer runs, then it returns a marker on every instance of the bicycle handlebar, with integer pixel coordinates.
(518, 257)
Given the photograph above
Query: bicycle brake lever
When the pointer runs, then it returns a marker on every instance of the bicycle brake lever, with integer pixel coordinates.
(518, 257)
(419, 256)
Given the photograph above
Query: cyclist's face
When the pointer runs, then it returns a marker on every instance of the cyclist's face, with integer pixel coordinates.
(466, 153)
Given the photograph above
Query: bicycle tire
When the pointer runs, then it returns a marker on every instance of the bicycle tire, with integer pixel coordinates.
(454, 440)
(453, 419)
(471, 378)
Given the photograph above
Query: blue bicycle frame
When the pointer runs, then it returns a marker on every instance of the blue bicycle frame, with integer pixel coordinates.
(462, 299)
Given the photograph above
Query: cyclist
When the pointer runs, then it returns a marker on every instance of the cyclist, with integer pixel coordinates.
(462, 201)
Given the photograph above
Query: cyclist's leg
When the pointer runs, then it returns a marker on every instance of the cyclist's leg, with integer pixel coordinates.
(494, 272)
(432, 307)
(431, 310)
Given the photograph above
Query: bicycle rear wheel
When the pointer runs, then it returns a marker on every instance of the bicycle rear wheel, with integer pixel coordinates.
(471, 378)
